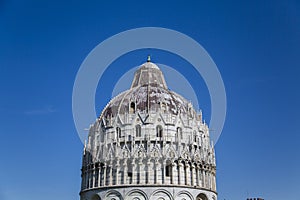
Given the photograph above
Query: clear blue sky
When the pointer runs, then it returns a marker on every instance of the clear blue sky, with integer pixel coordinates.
(255, 45)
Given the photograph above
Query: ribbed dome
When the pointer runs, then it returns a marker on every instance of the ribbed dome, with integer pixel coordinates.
(149, 74)
(148, 93)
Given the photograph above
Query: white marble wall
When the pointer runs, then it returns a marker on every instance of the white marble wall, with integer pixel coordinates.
(148, 193)
(116, 156)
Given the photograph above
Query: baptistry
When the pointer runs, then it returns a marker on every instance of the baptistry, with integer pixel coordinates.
(149, 143)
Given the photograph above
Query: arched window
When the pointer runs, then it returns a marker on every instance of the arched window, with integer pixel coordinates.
(95, 197)
(118, 131)
(132, 108)
(138, 131)
(179, 133)
(201, 196)
(159, 131)
(168, 169)
(195, 136)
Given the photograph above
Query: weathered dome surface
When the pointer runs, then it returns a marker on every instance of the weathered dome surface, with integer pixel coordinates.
(148, 93)
(148, 74)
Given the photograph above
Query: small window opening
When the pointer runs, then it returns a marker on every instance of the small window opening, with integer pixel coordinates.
(159, 131)
(179, 133)
(119, 133)
(138, 131)
(132, 108)
(168, 170)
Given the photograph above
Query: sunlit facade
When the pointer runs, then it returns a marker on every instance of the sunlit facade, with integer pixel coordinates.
(149, 143)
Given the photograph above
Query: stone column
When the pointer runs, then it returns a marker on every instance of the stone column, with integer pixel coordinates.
(209, 180)
(213, 182)
(99, 175)
(180, 173)
(125, 171)
(156, 181)
(141, 171)
(117, 172)
(149, 172)
(193, 175)
(104, 174)
(202, 178)
(205, 179)
(133, 172)
(93, 176)
(172, 175)
(187, 173)
(163, 171)
(198, 175)
(110, 177)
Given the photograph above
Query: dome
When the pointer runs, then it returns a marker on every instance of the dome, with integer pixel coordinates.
(149, 74)
(148, 141)
(148, 93)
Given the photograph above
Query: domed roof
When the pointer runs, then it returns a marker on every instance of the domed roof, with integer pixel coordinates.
(148, 93)
(149, 74)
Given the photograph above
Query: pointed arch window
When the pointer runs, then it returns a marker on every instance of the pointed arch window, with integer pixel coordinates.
(159, 131)
(138, 131)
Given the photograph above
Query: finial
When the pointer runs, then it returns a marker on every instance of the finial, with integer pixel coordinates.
(149, 58)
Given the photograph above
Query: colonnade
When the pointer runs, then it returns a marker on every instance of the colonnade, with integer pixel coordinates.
(148, 171)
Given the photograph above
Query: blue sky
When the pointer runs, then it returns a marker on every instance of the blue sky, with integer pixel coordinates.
(255, 45)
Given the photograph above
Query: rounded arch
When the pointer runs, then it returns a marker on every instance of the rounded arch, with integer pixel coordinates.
(113, 195)
(132, 108)
(201, 196)
(136, 194)
(95, 197)
(184, 195)
(169, 168)
(138, 130)
(161, 194)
